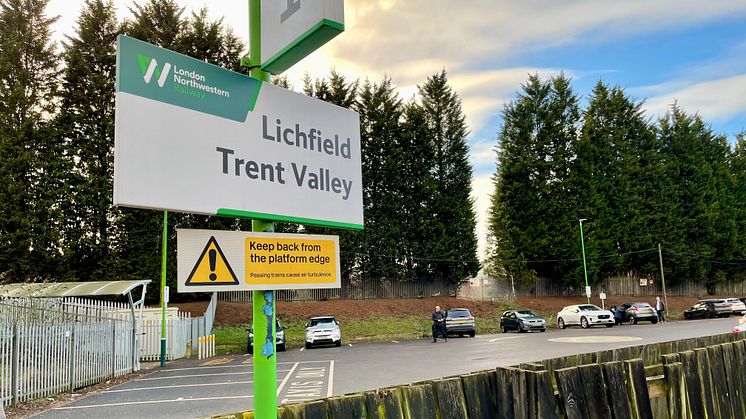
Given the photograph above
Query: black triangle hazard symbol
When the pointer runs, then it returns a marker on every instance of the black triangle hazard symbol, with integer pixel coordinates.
(212, 268)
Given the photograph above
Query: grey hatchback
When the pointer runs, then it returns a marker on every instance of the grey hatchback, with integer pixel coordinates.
(459, 321)
(522, 321)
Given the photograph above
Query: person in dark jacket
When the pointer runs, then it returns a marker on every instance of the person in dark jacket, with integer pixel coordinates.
(617, 315)
(439, 324)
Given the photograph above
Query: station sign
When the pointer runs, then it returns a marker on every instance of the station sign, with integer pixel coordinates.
(216, 260)
(292, 29)
(193, 137)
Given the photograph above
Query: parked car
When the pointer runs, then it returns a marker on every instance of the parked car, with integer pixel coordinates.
(736, 305)
(522, 321)
(459, 321)
(279, 338)
(585, 315)
(323, 330)
(638, 312)
(622, 308)
(741, 326)
(728, 309)
(706, 309)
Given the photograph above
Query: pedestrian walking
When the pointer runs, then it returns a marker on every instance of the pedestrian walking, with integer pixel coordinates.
(439, 324)
(660, 308)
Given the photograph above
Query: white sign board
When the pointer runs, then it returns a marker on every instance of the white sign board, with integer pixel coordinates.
(602, 295)
(216, 260)
(588, 292)
(193, 137)
(292, 29)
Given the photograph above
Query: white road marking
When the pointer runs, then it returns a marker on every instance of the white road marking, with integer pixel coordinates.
(505, 338)
(180, 399)
(180, 386)
(349, 344)
(395, 341)
(287, 377)
(301, 349)
(331, 379)
(199, 375)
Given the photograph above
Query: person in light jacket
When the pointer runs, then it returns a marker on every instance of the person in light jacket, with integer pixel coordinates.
(660, 308)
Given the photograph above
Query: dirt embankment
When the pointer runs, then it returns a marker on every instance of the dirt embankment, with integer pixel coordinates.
(236, 313)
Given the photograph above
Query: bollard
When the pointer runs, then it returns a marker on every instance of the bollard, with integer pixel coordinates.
(200, 344)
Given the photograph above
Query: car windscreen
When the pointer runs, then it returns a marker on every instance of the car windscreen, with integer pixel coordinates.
(526, 313)
(458, 313)
(590, 307)
(321, 322)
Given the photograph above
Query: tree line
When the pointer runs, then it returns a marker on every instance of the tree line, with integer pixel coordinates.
(57, 221)
(638, 182)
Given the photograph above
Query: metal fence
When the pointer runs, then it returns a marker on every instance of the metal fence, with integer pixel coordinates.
(178, 339)
(488, 288)
(358, 290)
(38, 359)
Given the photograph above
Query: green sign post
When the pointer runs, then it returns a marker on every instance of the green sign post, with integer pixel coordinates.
(262, 302)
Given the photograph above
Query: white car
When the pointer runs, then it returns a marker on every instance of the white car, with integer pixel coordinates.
(736, 305)
(584, 315)
(323, 330)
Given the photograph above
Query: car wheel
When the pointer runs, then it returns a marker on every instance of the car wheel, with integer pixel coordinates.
(503, 329)
(308, 345)
(543, 330)
(472, 334)
(460, 335)
(281, 347)
(584, 323)
(654, 321)
(632, 320)
(561, 323)
(610, 325)
(338, 343)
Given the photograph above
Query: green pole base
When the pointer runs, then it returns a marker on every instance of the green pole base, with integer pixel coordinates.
(163, 352)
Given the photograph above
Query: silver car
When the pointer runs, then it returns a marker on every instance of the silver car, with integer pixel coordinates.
(323, 331)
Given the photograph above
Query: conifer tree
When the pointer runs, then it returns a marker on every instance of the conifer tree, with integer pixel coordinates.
(533, 216)
(452, 206)
(31, 166)
(699, 219)
(86, 124)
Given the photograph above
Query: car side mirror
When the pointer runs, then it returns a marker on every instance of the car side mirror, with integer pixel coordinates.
(336, 322)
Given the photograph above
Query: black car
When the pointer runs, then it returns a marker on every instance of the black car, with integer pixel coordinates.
(522, 321)
(707, 309)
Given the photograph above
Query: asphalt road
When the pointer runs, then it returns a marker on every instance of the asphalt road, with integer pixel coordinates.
(194, 389)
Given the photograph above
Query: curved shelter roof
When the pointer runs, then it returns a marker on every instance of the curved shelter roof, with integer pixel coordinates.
(69, 289)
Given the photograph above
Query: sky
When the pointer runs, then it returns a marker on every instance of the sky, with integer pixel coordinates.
(661, 51)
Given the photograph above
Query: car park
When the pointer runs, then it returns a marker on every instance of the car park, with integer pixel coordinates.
(585, 316)
(706, 309)
(279, 338)
(522, 321)
(736, 305)
(638, 312)
(323, 330)
(459, 321)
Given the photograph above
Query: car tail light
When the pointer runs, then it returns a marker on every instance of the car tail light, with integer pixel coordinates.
(635, 309)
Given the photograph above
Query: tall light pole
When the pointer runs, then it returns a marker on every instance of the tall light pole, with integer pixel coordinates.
(585, 268)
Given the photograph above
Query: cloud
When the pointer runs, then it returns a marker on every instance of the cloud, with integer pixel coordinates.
(481, 191)
(716, 100)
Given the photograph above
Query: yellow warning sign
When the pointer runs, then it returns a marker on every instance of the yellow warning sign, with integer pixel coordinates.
(212, 268)
(278, 260)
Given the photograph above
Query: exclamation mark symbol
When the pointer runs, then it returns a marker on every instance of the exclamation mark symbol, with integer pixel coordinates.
(212, 254)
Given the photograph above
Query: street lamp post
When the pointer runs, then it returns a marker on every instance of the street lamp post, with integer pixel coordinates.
(585, 268)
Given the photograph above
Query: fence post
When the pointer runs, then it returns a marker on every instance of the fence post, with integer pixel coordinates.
(71, 358)
(113, 348)
(15, 366)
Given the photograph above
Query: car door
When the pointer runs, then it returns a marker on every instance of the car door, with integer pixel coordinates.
(513, 319)
(573, 316)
